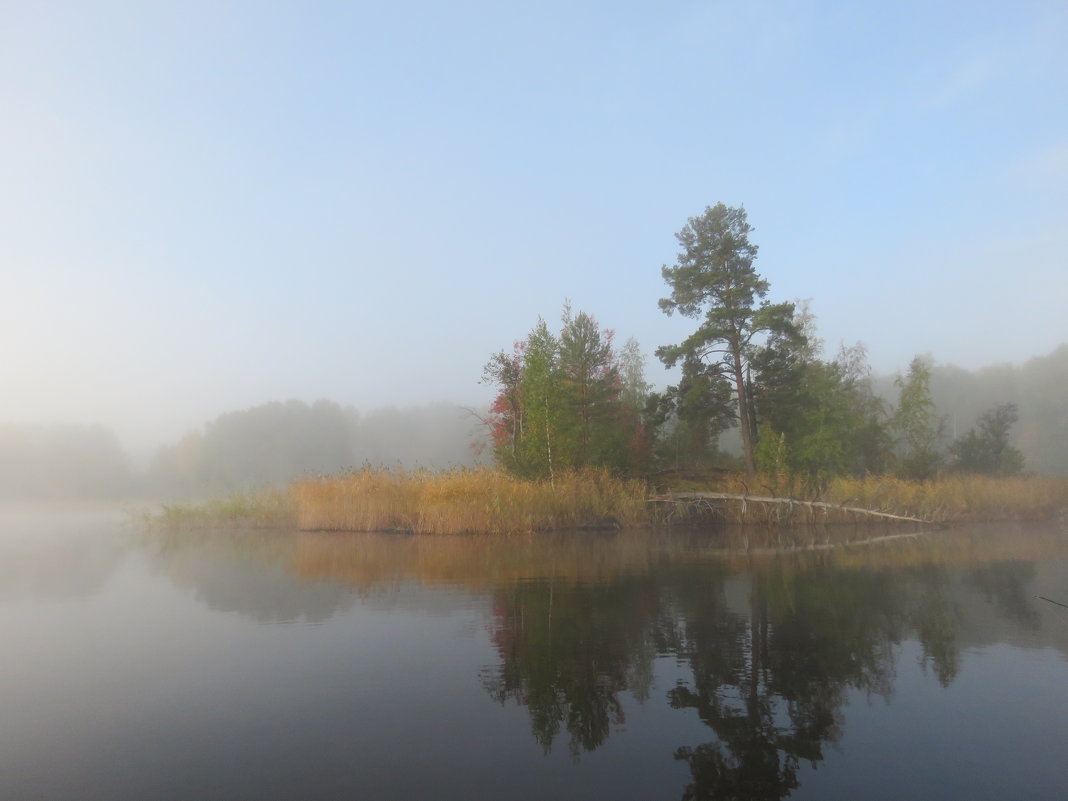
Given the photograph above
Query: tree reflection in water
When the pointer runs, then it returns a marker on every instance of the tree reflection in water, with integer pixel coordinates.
(766, 647)
(771, 658)
(1002, 583)
(568, 650)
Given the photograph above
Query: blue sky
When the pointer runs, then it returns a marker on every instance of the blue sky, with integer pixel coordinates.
(209, 205)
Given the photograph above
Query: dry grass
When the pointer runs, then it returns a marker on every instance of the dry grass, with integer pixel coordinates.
(948, 499)
(464, 501)
(957, 498)
(494, 502)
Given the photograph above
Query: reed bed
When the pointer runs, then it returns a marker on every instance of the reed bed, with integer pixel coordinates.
(957, 498)
(465, 501)
(946, 499)
(494, 502)
(265, 509)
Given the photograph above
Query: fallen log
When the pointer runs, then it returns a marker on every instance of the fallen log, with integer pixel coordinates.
(692, 497)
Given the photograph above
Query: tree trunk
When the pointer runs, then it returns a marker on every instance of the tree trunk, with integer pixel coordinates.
(549, 446)
(743, 413)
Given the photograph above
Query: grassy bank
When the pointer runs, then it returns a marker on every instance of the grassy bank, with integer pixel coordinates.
(947, 499)
(462, 501)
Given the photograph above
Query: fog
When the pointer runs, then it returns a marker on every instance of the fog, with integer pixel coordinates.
(1038, 388)
(266, 445)
(207, 211)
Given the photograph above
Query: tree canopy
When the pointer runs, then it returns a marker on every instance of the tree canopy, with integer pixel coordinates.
(986, 448)
(918, 425)
(714, 281)
(568, 400)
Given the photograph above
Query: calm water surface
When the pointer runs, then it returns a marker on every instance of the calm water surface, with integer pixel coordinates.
(642, 665)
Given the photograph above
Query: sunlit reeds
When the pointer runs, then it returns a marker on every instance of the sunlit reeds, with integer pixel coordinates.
(464, 501)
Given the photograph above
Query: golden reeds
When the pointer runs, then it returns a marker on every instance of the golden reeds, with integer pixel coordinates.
(494, 502)
(957, 498)
(462, 501)
(949, 498)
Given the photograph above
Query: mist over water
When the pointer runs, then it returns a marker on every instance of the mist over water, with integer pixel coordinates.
(263, 446)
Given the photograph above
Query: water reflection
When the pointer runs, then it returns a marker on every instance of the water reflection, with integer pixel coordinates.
(764, 646)
(769, 678)
(771, 683)
(568, 650)
(55, 571)
(1003, 584)
(62, 554)
(246, 572)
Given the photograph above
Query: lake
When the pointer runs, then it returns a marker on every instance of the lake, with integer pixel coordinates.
(678, 664)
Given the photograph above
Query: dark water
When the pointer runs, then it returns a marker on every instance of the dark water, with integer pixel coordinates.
(634, 666)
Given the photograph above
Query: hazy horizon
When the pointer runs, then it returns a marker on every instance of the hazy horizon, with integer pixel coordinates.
(141, 450)
(208, 208)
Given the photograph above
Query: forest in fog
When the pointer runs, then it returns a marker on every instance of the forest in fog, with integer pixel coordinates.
(266, 445)
(275, 442)
(1039, 388)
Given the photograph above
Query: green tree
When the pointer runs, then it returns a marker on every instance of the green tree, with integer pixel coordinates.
(591, 388)
(634, 396)
(917, 424)
(539, 393)
(824, 416)
(635, 389)
(714, 281)
(870, 438)
(783, 394)
(986, 448)
(688, 418)
(562, 402)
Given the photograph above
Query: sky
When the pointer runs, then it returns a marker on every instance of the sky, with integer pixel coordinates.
(205, 206)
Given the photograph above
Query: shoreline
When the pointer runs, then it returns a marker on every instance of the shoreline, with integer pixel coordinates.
(491, 502)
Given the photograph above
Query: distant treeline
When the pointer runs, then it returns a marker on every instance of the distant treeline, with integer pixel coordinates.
(1038, 389)
(277, 442)
(261, 446)
(40, 462)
